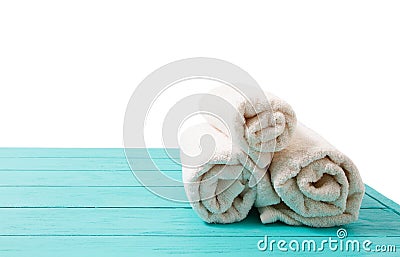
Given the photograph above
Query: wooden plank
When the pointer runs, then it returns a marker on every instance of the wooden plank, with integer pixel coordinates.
(88, 197)
(172, 222)
(103, 197)
(79, 163)
(82, 178)
(128, 246)
(381, 199)
(106, 178)
(370, 203)
(14, 152)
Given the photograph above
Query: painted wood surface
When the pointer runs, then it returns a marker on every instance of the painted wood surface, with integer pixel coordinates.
(87, 202)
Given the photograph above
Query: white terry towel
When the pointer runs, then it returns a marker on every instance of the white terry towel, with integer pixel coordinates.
(257, 121)
(319, 186)
(224, 187)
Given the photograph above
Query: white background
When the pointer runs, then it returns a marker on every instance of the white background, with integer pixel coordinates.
(68, 68)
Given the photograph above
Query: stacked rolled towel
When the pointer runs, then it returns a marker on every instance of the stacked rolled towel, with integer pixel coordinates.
(259, 122)
(224, 187)
(319, 186)
(263, 158)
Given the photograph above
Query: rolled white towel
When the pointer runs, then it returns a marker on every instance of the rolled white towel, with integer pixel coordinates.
(223, 186)
(257, 121)
(319, 185)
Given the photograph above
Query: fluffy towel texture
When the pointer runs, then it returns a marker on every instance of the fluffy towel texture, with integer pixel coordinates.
(257, 122)
(319, 186)
(223, 188)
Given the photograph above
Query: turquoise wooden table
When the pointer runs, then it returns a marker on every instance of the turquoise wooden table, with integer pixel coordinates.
(86, 202)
